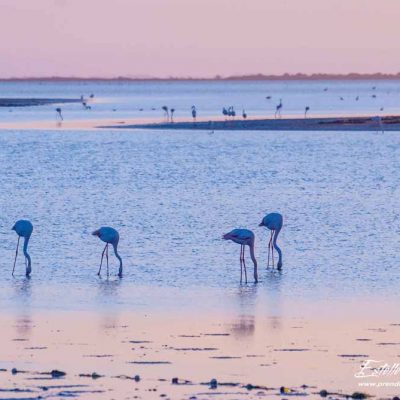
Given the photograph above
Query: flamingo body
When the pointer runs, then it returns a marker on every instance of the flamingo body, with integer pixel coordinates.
(23, 228)
(274, 222)
(109, 236)
(244, 237)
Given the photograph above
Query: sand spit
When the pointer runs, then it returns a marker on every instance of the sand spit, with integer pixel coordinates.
(22, 102)
(388, 123)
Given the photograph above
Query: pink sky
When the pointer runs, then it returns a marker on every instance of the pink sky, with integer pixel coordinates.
(197, 37)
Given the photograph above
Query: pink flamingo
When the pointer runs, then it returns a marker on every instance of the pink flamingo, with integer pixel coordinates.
(274, 223)
(109, 236)
(244, 237)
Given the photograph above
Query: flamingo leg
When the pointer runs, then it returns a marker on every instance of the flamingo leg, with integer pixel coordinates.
(108, 273)
(101, 262)
(16, 254)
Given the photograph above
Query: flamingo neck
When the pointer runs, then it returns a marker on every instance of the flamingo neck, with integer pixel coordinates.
(28, 257)
(253, 258)
(276, 247)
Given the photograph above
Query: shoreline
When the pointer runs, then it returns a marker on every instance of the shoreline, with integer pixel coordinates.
(30, 102)
(249, 356)
(388, 123)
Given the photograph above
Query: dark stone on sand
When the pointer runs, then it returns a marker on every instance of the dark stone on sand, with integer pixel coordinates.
(213, 383)
(358, 395)
(175, 381)
(323, 393)
(136, 378)
(55, 373)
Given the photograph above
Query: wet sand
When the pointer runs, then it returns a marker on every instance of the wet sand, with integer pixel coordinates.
(357, 123)
(364, 123)
(29, 102)
(145, 355)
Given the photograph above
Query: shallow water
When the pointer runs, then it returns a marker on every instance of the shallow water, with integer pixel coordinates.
(145, 99)
(172, 195)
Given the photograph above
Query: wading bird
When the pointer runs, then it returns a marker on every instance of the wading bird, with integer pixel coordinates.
(194, 113)
(166, 113)
(109, 236)
(273, 222)
(307, 109)
(58, 110)
(224, 112)
(244, 114)
(278, 109)
(24, 229)
(244, 237)
(172, 114)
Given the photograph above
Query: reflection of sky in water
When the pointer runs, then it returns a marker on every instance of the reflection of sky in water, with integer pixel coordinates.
(172, 195)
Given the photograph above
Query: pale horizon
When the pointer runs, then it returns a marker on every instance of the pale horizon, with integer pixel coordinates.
(199, 39)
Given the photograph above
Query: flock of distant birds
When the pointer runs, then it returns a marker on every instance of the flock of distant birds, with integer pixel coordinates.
(110, 236)
(227, 112)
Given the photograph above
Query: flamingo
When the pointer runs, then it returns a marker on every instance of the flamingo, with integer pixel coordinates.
(244, 114)
(273, 222)
(224, 112)
(24, 229)
(244, 237)
(278, 109)
(307, 109)
(109, 236)
(194, 113)
(172, 114)
(166, 113)
(58, 110)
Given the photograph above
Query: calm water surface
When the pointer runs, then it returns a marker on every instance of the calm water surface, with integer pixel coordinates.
(173, 194)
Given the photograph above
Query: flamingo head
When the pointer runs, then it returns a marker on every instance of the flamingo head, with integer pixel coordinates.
(261, 223)
(96, 233)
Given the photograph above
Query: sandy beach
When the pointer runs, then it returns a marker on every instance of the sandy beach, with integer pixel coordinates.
(356, 123)
(150, 355)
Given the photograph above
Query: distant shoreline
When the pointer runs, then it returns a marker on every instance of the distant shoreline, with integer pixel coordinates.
(387, 123)
(250, 77)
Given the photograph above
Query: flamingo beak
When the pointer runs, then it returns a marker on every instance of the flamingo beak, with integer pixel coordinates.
(261, 224)
(95, 233)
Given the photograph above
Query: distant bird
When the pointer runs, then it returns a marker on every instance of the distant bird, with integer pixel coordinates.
(231, 112)
(166, 112)
(357, 98)
(381, 109)
(273, 222)
(326, 89)
(85, 106)
(373, 87)
(374, 96)
(307, 109)
(91, 96)
(194, 113)
(172, 114)
(140, 109)
(24, 229)
(341, 98)
(244, 237)
(244, 114)
(268, 97)
(278, 109)
(109, 236)
(59, 113)
(378, 121)
(224, 112)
